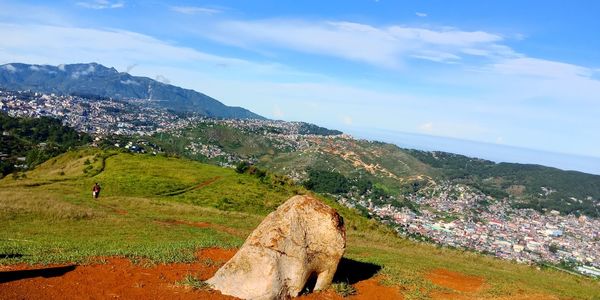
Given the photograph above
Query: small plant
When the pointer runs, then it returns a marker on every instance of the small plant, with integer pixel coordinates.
(210, 263)
(343, 289)
(193, 282)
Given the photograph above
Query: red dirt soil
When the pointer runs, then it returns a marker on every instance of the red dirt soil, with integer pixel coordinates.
(368, 289)
(456, 281)
(117, 278)
(372, 290)
(120, 278)
(208, 182)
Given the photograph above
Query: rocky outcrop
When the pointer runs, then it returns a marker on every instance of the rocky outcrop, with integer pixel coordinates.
(301, 239)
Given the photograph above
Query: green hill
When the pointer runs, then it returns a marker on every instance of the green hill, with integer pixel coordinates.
(49, 217)
(31, 141)
(530, 186)
(398, 172)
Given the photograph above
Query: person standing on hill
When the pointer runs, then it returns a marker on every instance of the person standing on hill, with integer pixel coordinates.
(96, 191)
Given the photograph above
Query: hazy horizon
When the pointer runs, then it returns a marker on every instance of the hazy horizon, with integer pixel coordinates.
(489, 151)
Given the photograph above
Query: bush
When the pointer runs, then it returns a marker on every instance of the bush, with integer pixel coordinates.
(322, 181)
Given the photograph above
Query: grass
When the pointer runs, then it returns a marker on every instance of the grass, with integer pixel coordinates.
(193, 282)
(51, 218)
(343, 289)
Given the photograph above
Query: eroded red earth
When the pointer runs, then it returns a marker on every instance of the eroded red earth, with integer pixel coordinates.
(119, 278)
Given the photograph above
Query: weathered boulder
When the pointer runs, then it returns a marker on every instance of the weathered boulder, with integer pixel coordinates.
(302, 238)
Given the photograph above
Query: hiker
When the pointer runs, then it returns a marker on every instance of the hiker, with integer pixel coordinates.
(96, 191)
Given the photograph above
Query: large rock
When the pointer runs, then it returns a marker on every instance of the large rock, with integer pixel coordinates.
(302, 238)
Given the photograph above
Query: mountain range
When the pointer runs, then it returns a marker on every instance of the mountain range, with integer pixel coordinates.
(95, 80)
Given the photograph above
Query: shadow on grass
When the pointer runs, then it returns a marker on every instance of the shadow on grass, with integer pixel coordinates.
(352, 271)
(8, 276)
(10, 255)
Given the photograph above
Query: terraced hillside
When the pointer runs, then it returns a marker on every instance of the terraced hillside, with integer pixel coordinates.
(155, 210)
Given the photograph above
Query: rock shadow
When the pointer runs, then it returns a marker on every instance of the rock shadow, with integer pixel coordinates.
(349, 271)
(8, 276)
(352, 271)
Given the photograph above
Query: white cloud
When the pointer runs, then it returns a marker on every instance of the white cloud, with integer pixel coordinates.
(195, 10)
(10, 68)
(491, 81)
(89, 70)
(529, 66)
(163, 79)
(347, 120)
(34, 68)
(100, 4)
(382, 46)
(421, 14)
(130, 82)
(278, 112)
(426, 127)
(113, 47)
(437, 56)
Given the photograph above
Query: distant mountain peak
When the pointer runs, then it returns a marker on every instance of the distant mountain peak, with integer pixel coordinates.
(96, 79)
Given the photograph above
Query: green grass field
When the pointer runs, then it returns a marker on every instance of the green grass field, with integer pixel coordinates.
(49, 216)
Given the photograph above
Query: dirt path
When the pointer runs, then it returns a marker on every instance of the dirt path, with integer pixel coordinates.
(203, 184)
(119, 278)
(193, 188)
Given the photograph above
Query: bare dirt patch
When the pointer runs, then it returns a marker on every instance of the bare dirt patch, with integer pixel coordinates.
(456, 281)
(120, 278)
(116, 278)
(369, 289)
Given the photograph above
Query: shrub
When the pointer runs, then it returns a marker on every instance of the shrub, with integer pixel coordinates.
(343, 289)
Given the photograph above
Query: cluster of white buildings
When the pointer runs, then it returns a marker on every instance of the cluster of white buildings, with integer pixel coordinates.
(459, 216)
(99, 118)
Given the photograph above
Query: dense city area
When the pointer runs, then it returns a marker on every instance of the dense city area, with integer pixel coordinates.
(459, 216)
(448, 213)
(108, 116)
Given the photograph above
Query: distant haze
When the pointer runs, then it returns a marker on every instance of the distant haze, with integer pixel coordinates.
(493, 152)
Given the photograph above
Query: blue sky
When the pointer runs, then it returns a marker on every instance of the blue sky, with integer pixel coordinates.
(513, 73)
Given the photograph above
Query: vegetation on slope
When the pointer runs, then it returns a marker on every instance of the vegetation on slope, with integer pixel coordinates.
(397, 170)
(531, 186)
(35, 140)
(49, 217)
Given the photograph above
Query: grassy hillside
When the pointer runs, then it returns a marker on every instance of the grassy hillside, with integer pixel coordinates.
(35, 140)
(392, 168)
(49, 216)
